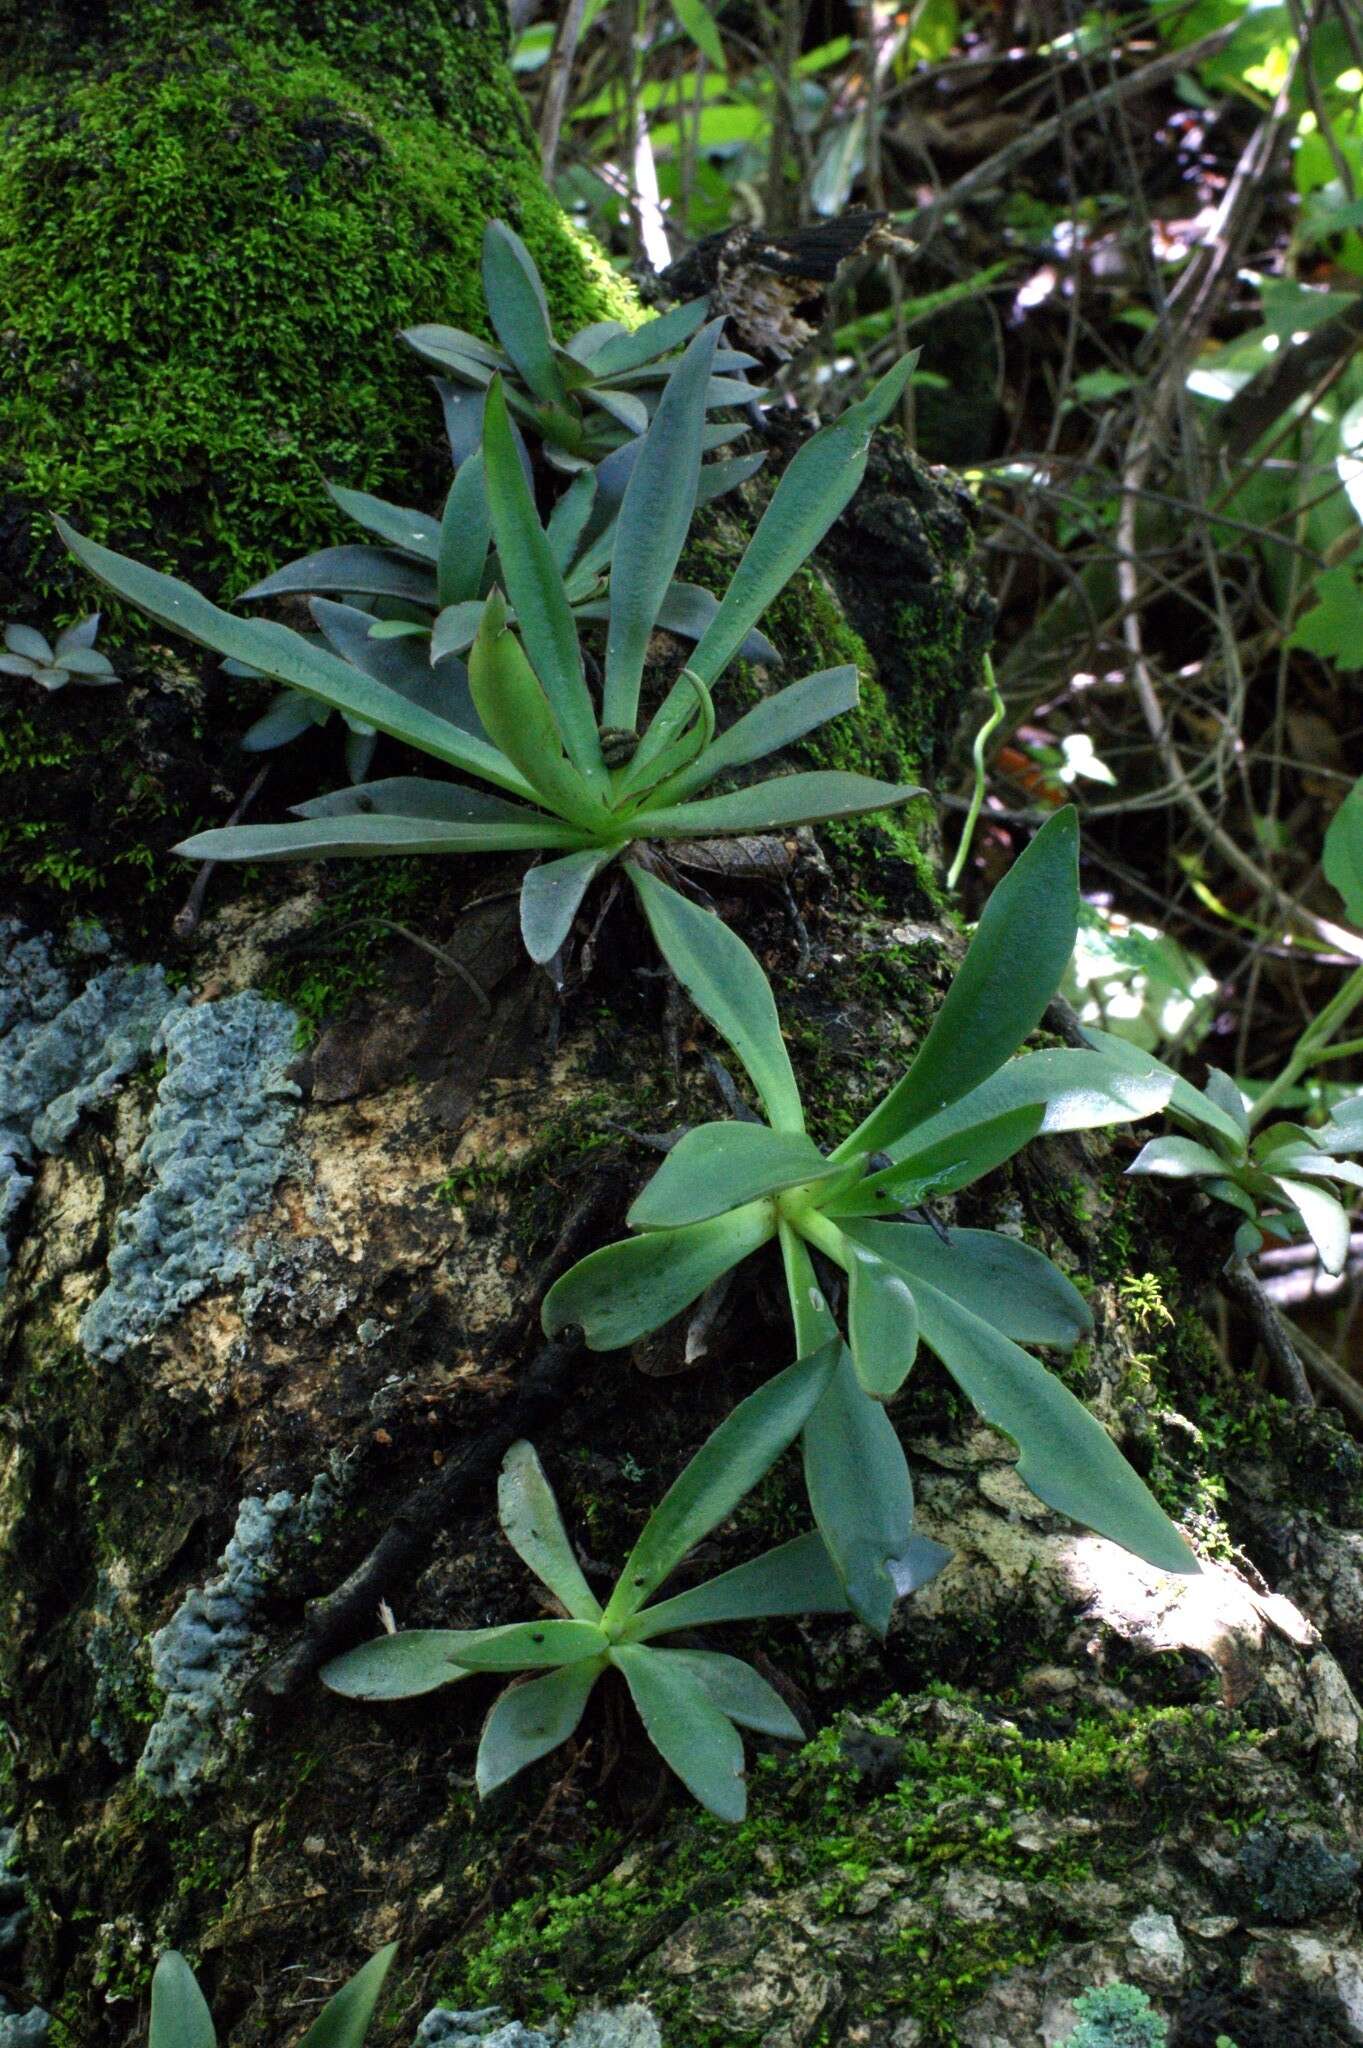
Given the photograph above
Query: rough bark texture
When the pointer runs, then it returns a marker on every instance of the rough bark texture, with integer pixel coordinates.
(279, 1226)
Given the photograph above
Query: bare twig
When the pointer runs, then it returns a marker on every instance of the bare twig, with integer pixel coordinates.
(1241, 1287)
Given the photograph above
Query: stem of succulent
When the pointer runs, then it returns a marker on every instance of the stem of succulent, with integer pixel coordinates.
(816, 1228)
(1310, 1045)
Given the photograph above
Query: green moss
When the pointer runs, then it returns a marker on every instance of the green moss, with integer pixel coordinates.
(207, 244)
(960, 1785)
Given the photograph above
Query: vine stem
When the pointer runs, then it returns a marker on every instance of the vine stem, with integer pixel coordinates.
(1311, 1045)
(982, 737)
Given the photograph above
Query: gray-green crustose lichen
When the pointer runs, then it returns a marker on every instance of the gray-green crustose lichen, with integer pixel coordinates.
(1117, 2016)
(202, 1656)
(626, 2026)
(27, 2029)
(213, 1152)
(199, 1657)
(62, 1052)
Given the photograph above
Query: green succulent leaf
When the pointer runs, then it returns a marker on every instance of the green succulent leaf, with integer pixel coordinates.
(655, 517)
(1013, 968)
(568, 519)
(796, 1578)
(738, 1692)
(519, 310)
(818, 482)
(533, 1526)
(646, 344)
(942, 1168)
(769, 806)
(1176, 1159)
(464, 538)
(778, 721)
(862, 1497)
(535, 589)
(1075, 1091)
(418, 796)
(404, 665)
(396, 1667)
(728, 987)
(1325, 1221)
(287, 657)
(551, 896)
(623, 1291)
(331, 838)
(1066, 1457)
(728, 1465)
(520, 719)
(361, 570)
(882, 1321)
(1008, 1284)
(1344, 1131)
(724, 1166)
(179, 2011)
(686, 1728)
(1220, 1089)
(414, 532)
(531, 1719)
(344, 2020)
(1184, 1101)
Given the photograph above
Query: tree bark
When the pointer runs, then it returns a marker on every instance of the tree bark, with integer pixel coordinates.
(272, 1313)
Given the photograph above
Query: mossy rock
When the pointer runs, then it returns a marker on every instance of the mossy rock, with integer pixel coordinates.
(212, 224)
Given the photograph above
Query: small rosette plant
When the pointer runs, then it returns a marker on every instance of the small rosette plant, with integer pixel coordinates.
(962, 1108)
(596, 392)
(73, 659)
(530, 727)
(692, 1702)
(1279, 1180)
(180, 2015)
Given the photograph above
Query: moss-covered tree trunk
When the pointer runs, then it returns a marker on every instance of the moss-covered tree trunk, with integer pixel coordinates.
(282, 1200)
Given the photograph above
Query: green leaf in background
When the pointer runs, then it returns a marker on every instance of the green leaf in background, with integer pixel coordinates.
(179, 2011)
(686, 1728)
(1344, 848)
(716, 1167)
(1016, 958)
(623, 1291)
(700, 24)
(531, 1719)
(728, 1465)
(1333, 628)
(1176, 1159)
(531, 1522)
(344, 2022)
(728, 987)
